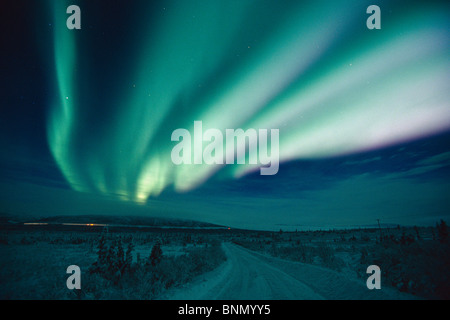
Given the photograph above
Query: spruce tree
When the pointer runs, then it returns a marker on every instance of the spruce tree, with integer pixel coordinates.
(129, 255)
(111, 259)
(102, 255)
(120, 260)
(138, 258)
(156, 254)
(442, 231)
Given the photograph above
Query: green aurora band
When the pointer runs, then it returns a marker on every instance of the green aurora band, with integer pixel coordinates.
(314, 71)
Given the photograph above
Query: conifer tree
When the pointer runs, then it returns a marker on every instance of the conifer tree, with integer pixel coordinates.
(100, 265)
(102, 251)
(442, 231)
(111, 258)
(120, 259)
(156, 253)
(129, 255)
(138, 258)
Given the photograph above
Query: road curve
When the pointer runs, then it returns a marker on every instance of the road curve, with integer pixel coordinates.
(248, 275)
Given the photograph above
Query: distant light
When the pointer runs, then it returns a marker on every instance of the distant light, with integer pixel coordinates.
(35, 224)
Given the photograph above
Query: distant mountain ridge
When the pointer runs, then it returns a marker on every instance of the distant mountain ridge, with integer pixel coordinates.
(116, 221)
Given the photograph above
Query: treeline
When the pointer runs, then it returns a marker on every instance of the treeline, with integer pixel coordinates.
(411, 264)
(121, 273)
(413, 260)
(320, 253)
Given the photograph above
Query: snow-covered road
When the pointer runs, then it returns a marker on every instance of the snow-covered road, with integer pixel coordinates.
(253, 276)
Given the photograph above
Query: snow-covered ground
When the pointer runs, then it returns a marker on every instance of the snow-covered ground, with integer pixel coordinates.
(251, 275)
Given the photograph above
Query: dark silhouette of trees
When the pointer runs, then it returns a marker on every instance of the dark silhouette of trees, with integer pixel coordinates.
(442, 231)
(156, 254)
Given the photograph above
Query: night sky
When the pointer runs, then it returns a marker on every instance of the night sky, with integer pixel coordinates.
(363, 115)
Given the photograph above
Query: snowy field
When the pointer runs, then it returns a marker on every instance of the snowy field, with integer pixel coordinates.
(235, 264)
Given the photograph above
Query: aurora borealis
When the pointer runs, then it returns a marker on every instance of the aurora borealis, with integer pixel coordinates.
(367, 96)
(137, 71)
